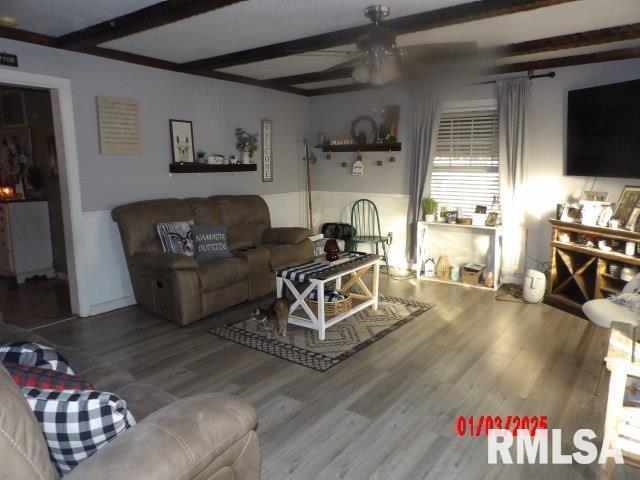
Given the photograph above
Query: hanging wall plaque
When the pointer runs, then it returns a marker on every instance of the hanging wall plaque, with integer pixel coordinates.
(267, 151)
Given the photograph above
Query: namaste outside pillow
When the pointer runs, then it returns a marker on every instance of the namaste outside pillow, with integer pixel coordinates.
(211, 241)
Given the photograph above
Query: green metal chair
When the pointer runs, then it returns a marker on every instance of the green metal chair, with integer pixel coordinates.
(366, 223)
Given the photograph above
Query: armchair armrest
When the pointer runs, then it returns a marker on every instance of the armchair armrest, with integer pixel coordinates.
(291, 235)
(207, 432)
(163, 261)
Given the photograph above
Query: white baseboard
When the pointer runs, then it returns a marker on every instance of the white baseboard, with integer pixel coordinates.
(113, 305)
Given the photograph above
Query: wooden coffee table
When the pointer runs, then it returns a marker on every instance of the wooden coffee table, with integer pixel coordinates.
(303, 279)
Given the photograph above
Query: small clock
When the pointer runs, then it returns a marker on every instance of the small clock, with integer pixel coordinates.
(267, 151)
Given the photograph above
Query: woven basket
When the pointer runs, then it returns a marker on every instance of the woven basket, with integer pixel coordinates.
(331, 309)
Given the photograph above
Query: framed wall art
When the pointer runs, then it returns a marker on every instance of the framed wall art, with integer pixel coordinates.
(267, 150)
(182, 141)
(629, 200)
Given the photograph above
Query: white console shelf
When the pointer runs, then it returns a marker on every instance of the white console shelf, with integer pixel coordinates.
(464, 243)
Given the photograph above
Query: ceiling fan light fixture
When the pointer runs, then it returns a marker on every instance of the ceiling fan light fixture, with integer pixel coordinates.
(361, 73)
(7, 21)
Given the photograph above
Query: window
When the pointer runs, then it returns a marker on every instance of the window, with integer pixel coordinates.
(465, 167)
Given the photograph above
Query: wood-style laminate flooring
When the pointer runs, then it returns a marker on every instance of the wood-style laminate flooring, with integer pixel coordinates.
(387, 412)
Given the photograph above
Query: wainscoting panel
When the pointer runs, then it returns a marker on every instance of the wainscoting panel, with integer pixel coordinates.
(109, 285)
(392, 208)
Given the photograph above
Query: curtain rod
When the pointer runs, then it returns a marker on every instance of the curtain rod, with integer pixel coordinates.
(530, 75)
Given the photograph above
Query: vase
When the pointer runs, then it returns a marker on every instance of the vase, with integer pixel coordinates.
(245, 158)
(443, 268)
(430, 217)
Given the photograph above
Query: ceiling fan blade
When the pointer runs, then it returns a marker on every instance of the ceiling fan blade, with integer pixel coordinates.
(354, 62)
(441, 50)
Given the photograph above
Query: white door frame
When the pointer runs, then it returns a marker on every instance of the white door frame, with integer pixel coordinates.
(65, 133)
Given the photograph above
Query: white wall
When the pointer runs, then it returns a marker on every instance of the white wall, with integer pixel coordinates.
(545, 181)
(216, 109)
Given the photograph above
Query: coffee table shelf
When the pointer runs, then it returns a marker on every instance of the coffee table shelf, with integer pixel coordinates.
(300, 313)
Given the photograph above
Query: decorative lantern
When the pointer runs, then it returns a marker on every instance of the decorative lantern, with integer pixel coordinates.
(430, 268)
(443, 269)
(331, 249)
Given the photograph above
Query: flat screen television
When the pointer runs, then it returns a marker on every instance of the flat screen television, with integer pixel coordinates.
(603, 131)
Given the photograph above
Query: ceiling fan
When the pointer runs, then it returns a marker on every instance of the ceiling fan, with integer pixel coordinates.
(379, 59)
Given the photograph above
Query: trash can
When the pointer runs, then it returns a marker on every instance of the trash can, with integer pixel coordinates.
(534, 286)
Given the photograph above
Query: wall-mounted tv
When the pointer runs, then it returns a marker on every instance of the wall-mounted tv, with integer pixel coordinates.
(603, 131)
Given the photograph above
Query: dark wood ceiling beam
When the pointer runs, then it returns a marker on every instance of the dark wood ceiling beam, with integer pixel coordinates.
(153, 16)
(596, 57)
(560, 42)
(466, 12)
(48, 41)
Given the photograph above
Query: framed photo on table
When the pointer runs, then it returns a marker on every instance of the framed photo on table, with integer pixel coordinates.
(267, 150)
(629, 201)
(182, 141)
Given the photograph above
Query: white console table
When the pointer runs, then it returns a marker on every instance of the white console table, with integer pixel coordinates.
(490, 256)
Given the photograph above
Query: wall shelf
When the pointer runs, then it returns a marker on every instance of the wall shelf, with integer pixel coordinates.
(368, 147)
(193, 167)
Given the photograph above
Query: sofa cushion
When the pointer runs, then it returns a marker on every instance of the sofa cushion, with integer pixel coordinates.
(176, 237)
(211, 242)
(205, 211)
(76, 424)
(223, 272)
(144, 399)
(286, 255)
(246, 215)
(34, 354)
(137, 222)
(45, 378)
(104, 375)
(23, 450)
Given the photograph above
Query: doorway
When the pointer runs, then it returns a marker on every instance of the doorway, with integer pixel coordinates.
(62, 161)
(33, 271)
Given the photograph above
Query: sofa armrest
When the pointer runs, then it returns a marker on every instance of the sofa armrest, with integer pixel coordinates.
(205, 432)
(163, 261)
(283, 235)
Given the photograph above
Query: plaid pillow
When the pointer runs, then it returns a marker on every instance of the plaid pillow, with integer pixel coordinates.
(43, 378)
(76, 424)
(28, 353)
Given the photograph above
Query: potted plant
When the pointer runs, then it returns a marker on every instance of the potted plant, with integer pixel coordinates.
(201, 156)
(247, 143)
(430, 207)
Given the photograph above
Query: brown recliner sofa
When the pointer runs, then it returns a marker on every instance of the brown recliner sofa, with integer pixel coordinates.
(179, 288)
(202, 437)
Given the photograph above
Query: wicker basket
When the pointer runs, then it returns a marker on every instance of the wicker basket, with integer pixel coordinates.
(331, 309)
(471, 278)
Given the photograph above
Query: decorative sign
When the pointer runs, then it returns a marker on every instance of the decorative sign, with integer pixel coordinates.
(182, 141)
(267, 151)
(119, 123)
(8, 59)
(358, 167)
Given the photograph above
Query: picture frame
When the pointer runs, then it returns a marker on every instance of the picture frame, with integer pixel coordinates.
(593, 196)
(634, 220)
(629, 200)
(267, 150)
(572, 213)
(182, 149)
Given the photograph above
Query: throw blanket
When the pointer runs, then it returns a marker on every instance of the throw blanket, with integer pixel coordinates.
(630, 300)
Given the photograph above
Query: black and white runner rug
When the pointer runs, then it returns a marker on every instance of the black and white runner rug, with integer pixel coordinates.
(302, 346)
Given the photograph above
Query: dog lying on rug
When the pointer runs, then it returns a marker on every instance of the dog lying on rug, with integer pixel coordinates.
(274, 318)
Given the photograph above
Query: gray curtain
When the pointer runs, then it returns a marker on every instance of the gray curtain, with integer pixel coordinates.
(513, 106)
(425, 126)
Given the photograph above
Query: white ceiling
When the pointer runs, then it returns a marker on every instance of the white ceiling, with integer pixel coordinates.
(255, 23)
(57, 17)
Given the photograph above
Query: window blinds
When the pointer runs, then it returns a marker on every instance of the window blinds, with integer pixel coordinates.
(465, 167)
